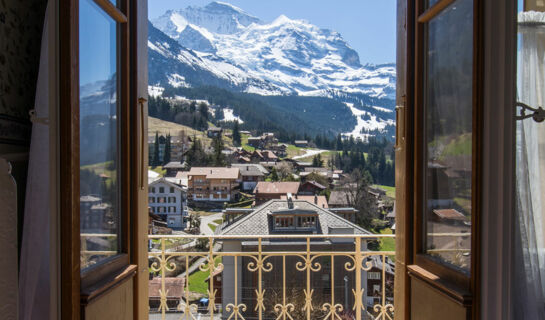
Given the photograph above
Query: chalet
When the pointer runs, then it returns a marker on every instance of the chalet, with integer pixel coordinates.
(251, 175)
(173, 167)
(255, 142)
(178, 146)
(175, 288)
(214, 132)
(301, 143)
(213, 183)
(169, 201)
(311, 188)
(265, 191)
(451, 216)
(156, 225)
(96, 215)
(263, 156)
(375, 282)
(281, 149)
(340, 199)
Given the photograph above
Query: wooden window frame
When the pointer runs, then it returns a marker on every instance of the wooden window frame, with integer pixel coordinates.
(459, 286)
(80, 287)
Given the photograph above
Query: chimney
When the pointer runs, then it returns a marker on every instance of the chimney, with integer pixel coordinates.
(290, 201)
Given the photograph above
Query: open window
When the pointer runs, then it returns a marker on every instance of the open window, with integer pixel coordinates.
(103, 185)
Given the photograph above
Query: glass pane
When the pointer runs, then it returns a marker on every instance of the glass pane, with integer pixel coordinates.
(430, 3)
(448, 134)
(99, 174)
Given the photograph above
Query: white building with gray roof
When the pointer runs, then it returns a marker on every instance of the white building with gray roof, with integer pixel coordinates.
(288, 217)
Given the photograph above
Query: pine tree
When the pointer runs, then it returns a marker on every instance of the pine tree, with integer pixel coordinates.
(156, 161)
(339, 144)
(236, 135)
(203, 110)
(218, 158)
(195, 155)
(317, 161)
(166, 157)
(218, 114)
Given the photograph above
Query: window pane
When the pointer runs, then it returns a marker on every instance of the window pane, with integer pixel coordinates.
(430, 3)
(99, 158)
(448, 110)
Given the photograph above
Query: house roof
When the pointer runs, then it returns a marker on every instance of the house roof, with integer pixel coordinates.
(174, 165)
(451, 214)
(300, 141)
(89, 198)
(259, 222)
(316, 184)
(243, 167)
(269, 154)
(215, 172)
(339, 197)
(376, 262)
(174, 286)
(320, 201)
(264, 187)
(181, 175)
(316, 169)
(249, 170)
(167, 182)
(214, 129)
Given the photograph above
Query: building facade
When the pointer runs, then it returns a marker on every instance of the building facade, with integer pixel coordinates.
(251, 174)
(213, 183)
(169, 201)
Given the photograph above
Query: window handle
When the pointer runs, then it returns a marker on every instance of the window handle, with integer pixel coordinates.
(400, 124)
(141, 101)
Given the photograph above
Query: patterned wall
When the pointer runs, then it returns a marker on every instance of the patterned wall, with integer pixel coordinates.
(21, 24)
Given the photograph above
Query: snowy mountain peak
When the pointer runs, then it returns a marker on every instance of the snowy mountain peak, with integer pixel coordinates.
(222, 45)
(282, 19)
(224, 7)
(198, 39)
(216, 17)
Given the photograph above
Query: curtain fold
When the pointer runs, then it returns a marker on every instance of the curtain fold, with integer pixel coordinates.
(529, 260)
(34, 273)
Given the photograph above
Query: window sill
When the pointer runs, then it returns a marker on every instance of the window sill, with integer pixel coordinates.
(116, 278)
(455, 293)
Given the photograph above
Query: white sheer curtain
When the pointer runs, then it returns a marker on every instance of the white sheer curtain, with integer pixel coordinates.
(34, 273)
(530, 173)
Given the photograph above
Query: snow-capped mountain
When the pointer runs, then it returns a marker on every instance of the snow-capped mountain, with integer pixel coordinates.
(222, 45)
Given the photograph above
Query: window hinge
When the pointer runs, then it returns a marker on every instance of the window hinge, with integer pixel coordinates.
(400, 123)
(538, 113)
(141, 101)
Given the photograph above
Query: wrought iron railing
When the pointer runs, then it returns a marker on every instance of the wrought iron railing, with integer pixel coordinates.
(280, 277)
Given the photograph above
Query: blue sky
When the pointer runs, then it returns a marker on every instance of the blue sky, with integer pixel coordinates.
(367, 25)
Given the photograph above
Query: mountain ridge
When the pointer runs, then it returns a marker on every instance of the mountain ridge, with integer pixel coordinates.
(222, 45)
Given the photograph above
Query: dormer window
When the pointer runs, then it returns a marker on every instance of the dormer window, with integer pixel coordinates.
(283, 222)
(294, 222)
(308, 222)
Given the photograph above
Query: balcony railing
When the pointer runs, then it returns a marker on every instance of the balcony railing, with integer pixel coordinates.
(280, 277)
